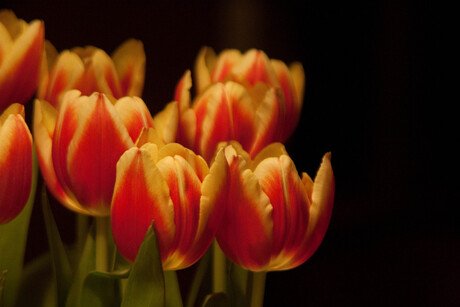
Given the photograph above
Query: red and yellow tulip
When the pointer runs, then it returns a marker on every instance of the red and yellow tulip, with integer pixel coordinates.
(21, 46)
(244, 97)
(15, 162)
(275, 220)
(79, 143)
(91, 69)
(175, 188)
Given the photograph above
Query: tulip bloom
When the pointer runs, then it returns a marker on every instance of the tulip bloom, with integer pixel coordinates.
(275, 220)
(244, 97)
(90, 69)
(21, 46)
(15, 162)
(79, 143)
(175, 188)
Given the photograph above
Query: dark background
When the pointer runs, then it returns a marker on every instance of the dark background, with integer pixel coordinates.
(368, 100)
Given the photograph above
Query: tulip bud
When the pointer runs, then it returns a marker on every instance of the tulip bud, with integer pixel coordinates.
(90, 69)
(274, 220)
(175, 188)
(15, 162)
(79, 143)
(21, 46)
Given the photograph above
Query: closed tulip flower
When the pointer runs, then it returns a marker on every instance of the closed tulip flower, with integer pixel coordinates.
(91, 69)
(250, 69)
(275, 220)
(175, 188)
(21, 46)
(79, 143)
(15, 162)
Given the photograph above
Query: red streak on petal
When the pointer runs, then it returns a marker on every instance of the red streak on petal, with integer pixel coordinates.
(127, 80)
(92, 164)
(133, 210)
(15, 169)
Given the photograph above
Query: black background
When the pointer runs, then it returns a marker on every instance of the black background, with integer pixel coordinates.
(368, 99)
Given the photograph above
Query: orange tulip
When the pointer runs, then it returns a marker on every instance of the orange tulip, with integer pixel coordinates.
(175, 188)
(21, 46)
(275, 220)
(15, 162)
(79, 143)
(90, 69)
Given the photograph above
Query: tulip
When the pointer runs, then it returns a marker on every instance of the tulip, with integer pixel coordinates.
(275, 220)
(21, 46)
(15, 162)
(90, 69)
(226, 111)
(175, 188)
(79, 143)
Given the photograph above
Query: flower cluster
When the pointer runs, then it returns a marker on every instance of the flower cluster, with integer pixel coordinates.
(211, 167)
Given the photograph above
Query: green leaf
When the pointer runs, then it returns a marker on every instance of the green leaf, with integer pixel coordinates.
(146, 286)
(59, 258)
(172, 290)
(216, 300)
(38, 284)
(13, 237)
(86, 265)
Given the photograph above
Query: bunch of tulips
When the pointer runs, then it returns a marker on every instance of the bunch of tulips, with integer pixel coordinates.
(206, 178)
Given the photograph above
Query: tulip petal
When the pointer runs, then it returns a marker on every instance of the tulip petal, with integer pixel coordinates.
(129, 59)
(140, 196)
(49, 57)
(14, 108)
(95, 148)
(197, 163)
(293, 104)
(134, 115)
(246, 232)
(204, 61)
(43, 129)
(15, 166)
(279, 179)
(14, 25)
(255, 67)
(166, 122)
(105, 74)
(272, 150)
(298, 79)
(214, 194)
(185, 192)
(320, 211)
(182, 92)
(65, 75)
(5, 42)
(224, 64)
(20, 67)
(149, 135)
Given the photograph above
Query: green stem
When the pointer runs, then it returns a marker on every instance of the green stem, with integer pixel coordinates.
(256, 289)
(200, 273)
(82, 231)
(219, 269)
(102, 229)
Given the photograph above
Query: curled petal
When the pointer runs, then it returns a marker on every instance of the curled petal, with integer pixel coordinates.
(140, 196)
(15, 166)
(129, 61)
(320, 210)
